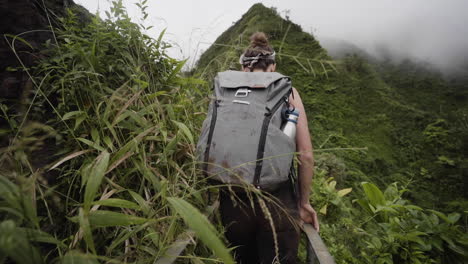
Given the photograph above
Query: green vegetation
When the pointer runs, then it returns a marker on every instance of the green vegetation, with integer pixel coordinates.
(384, 227)
(100, 166)
(411, 120)
(402, 127)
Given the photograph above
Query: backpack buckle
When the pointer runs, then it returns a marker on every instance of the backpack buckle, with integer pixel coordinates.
(242, 92)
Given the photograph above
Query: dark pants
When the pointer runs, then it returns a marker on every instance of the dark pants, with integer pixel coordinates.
(249, 230)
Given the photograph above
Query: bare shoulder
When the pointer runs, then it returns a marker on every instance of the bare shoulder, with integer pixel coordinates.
(295, 98)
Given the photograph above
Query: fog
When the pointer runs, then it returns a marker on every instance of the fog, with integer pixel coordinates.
(427, 30)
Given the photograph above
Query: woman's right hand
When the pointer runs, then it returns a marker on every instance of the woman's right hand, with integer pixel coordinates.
(309, 216)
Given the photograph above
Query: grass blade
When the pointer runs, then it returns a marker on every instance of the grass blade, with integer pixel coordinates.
(185, 130)
(202, 227)
(176, 248)
(95, 178)
(85, 226)
(104, 218)
(114, 202)
(69, 157)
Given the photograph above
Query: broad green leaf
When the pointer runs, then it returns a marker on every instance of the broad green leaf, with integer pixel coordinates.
(96, 175)
(103, 218)
(185, 130)
(115, 202)
(440, 215)
(323, 210)
(453, 217)
(202, 227)
(374, 194)
(364, 204)
(344, 192)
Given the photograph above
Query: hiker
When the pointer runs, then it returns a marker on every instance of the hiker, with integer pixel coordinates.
(261, 228)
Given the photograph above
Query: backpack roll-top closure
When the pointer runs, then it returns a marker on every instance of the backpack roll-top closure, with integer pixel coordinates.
(238, 79)
(232, 81)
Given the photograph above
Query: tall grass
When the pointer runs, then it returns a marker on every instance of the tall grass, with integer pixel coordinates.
(103, 165)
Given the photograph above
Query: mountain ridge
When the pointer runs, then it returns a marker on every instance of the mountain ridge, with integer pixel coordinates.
(358, 103)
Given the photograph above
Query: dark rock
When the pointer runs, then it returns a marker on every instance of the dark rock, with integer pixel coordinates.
(31, 22)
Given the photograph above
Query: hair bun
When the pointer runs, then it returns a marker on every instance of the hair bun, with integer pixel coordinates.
(258, 39)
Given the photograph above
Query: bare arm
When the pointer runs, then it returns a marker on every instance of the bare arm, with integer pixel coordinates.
(306, 162)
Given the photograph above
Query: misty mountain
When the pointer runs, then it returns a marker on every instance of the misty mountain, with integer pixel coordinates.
(338, 48)
(387, 119)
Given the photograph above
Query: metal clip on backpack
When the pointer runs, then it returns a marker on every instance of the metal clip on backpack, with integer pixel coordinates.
(241, 141)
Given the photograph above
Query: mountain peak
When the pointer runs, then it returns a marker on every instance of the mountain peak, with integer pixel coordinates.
(287, 38)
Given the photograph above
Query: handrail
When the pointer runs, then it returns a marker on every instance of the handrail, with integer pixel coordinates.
(317, 252)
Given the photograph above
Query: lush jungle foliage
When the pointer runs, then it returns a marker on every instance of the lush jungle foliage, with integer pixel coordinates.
(114, 121)
(402, 127)
(100, 165)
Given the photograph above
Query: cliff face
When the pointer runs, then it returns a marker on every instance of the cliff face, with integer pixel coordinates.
(30, 20)
(26, 19)
(408, 116)
(25, 27)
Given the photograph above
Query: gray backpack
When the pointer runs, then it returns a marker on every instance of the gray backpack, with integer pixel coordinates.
(241, 140)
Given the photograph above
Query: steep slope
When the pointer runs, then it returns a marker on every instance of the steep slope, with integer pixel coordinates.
(387, 123)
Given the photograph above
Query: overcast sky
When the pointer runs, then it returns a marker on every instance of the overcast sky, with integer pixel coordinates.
(431, 30)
